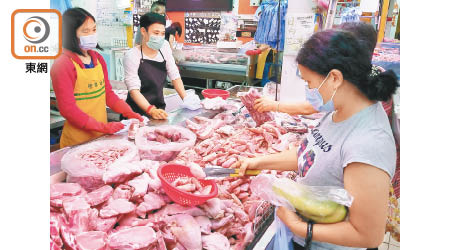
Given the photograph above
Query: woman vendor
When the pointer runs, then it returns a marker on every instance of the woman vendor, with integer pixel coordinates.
(147, 67)
(352, 146)
(80, 81)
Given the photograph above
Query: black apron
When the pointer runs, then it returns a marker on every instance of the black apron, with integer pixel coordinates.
(153, 76)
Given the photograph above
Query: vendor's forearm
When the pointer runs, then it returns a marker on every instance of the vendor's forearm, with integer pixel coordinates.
(179, 87)
(302, 108)
(284, 161)
(139, 99)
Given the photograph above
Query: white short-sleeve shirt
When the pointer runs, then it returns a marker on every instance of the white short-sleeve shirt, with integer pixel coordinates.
(132, 60)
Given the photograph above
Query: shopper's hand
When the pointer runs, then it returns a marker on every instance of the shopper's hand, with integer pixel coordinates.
(265, 105)
(113, 127)
(244, 164)
(158, 114)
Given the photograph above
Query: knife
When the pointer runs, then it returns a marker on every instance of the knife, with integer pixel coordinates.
(227, 172)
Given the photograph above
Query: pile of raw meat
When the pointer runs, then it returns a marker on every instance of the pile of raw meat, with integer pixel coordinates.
(133, 212)
(248, 99)
(222, 141)
(191, 185)
(163, 143)
(117, 201)
(212, 56)
(88, 164)
(386, 54)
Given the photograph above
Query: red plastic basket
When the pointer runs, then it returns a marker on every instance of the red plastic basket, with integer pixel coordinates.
(213, 93)
(169, 172)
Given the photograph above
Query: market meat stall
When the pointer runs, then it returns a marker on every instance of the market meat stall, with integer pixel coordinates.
(206, 62)
(112, 206)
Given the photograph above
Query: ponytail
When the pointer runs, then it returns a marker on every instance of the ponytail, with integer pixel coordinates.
(381, 86)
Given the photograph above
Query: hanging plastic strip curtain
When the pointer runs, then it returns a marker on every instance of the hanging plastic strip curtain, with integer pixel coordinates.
(270, 30)
(60, 5)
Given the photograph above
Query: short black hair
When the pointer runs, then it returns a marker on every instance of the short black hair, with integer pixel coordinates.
(363, 31)
(156, 4)
(341, 50)
(72, 19)
(150, 18)
(176, 26)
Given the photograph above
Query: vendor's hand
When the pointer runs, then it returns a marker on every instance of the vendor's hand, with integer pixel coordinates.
(133, 115)
(158, 114)
(265, 105)
(113, 127)
(244, 164)
(120, 106)
(106, 128)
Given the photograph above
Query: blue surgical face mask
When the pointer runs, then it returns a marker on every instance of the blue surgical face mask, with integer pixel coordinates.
(88, 42)
(314, 97)
(155, 42)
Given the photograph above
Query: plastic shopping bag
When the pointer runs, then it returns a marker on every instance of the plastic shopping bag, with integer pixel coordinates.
(283, 236)
(321, 204)
(191, 102)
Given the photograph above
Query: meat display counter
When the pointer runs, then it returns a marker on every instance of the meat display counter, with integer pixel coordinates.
(263, 228)
(208, 63)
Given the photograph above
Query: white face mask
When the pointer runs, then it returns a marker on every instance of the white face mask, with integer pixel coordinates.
(88, 42)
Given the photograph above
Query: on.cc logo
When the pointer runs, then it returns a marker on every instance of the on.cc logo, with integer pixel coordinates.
(40, 30)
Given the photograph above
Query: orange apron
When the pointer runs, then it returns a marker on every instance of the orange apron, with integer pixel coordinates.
(89, 94)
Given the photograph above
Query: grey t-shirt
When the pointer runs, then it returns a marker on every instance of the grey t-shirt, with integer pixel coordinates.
(365, 137)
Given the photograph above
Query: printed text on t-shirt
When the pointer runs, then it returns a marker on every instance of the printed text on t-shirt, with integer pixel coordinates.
(320, 141)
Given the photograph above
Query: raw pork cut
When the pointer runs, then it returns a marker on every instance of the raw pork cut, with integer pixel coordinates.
(116, 207)
(151, 202)
(204, 223)
(123, 192)
(87, 163)
(204, 128)
(55, 223)
(140, 185)
(77, 213)
(99, 196)
(121, 173)
(91, 240)
(59, 190)
(248, 99)
(163, 143)
(191, 185)
(100, 224)
(186, 230)
(132, 238)
(173, 209)
(215, 241)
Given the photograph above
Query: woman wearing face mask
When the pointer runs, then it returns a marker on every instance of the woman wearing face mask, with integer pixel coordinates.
(367, 36)
(352, 146)
(147, 66)
(80, 81)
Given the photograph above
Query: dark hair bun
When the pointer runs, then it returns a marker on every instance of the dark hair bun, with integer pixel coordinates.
(382, 86)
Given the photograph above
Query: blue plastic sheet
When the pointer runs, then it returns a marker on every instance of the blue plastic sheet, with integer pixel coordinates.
(269, 24)
(60, 5)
